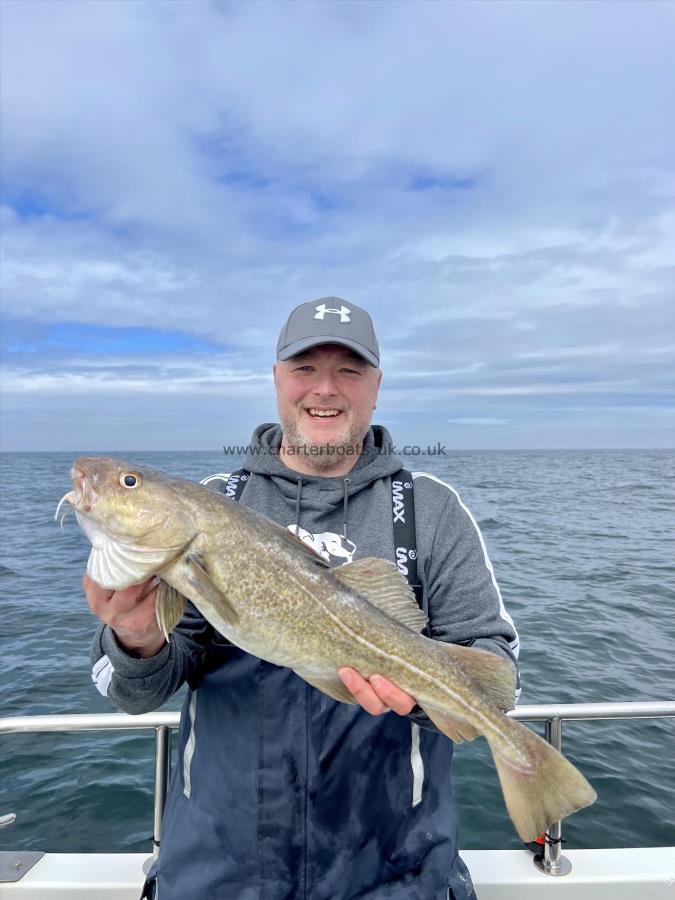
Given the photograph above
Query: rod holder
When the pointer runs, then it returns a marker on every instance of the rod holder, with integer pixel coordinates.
(553, 862)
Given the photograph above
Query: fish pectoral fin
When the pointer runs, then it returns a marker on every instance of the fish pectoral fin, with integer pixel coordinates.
(200, 579)
(456, 729)
(380, 582)
(329, 684)
(493, 674)
(169, 608)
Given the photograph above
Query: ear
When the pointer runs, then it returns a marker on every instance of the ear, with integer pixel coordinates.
(377, 389)
(274, 374)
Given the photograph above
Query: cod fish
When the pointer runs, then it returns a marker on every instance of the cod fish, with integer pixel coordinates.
(272, 595)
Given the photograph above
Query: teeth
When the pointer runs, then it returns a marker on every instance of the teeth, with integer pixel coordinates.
(323, 412)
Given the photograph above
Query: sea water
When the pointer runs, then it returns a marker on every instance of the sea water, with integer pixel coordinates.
(583, 548)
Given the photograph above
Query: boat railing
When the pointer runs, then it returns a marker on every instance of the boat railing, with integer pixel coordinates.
(552, 862)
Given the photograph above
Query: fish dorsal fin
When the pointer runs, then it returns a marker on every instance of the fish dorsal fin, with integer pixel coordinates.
(380, 582)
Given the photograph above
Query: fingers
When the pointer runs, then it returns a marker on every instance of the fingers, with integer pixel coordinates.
(130, 613)
(135, 593)
(100, 598)
(97, 597)
(393, 697)
(362, 691)
(377, 695)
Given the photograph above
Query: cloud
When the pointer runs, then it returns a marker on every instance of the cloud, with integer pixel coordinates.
(493, 181)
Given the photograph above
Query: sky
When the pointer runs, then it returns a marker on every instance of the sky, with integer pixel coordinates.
(494, 182)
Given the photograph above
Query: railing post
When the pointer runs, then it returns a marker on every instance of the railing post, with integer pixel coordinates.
(553, 862)
(162, 768)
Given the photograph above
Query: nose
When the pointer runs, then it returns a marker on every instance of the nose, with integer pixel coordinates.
(325, 385)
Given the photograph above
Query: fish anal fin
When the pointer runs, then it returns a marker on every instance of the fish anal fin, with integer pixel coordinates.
(494, 675)
(380, 582)
(454, 728)
(329, 684)
(199, 578)
(169, 608)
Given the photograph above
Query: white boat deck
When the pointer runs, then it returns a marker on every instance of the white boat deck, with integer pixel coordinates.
(625, 874)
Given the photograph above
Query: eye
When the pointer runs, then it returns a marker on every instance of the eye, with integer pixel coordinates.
(130, 480)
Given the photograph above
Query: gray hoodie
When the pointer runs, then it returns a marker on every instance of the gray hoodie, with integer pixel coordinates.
(350, 518)
(283, 758)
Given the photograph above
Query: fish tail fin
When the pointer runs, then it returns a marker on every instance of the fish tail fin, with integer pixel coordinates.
(540, 786)
(547, 789)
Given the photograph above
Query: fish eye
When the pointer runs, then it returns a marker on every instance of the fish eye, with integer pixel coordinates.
(130, 480)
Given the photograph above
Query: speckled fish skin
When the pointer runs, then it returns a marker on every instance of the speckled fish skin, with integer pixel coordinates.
(271, 595)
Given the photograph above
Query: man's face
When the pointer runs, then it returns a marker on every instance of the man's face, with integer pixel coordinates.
(326, 396)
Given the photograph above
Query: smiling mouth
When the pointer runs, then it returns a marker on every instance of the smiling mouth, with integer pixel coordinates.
(316, 412)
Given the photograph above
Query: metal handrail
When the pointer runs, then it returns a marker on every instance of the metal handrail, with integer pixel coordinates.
(89, 722)
(553, 714)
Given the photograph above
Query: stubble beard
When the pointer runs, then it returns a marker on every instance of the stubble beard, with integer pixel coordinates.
(344, 445)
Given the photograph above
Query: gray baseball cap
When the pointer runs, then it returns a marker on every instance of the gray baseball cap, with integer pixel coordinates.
(329, 320)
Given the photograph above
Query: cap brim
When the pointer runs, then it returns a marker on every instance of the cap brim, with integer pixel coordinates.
(315, 341)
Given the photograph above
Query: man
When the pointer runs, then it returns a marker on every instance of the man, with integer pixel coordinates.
(281, 792)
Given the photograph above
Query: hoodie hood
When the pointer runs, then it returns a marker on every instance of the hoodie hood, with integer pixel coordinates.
(377, 460)
(315, 496)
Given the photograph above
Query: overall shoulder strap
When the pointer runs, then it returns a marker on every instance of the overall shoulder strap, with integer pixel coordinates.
(231, 485)
(405, 536)
(236, 483)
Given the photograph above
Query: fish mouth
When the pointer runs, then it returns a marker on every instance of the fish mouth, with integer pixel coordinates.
(82, 498)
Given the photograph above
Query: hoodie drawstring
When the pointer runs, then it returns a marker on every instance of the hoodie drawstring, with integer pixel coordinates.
(297, 507)
(344, 508)
(345, 505)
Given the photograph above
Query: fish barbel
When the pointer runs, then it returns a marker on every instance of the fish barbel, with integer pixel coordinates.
(273, 596)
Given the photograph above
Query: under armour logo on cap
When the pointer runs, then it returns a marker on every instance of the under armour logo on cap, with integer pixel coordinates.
(329, 320)
(343, 312)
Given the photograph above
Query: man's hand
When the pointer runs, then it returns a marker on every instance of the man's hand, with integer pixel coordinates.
(130, 613)
(376, 695)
